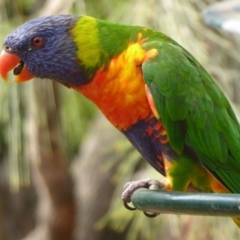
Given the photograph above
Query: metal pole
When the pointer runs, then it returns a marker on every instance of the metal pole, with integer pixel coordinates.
(206, 204)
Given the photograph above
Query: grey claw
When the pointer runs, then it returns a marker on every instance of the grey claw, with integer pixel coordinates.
(151, 215)
(130, 187)
(128, 207)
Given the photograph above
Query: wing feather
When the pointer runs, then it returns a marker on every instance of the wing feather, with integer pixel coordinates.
(184, 94)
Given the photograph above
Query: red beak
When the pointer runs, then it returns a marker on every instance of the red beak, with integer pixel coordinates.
(8, 61)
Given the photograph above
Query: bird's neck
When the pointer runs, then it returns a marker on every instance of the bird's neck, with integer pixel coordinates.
(99, 41)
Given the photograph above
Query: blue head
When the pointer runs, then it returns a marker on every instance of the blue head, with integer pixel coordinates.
(46, 47)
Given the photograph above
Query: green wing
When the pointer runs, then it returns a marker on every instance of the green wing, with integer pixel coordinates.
(194, 111)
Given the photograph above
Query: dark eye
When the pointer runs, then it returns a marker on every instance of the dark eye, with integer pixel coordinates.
(37, 41)
(7, 48)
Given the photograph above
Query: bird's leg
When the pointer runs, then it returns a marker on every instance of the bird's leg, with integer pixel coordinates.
(130, 187)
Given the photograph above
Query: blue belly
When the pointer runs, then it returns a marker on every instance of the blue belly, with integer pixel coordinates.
(146, 137)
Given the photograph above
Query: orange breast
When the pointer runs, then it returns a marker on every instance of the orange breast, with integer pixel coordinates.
(119, 90)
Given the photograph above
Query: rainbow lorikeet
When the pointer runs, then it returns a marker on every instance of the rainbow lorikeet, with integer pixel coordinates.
(148, 86)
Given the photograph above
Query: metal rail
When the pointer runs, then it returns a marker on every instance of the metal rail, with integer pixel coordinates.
(205, 204)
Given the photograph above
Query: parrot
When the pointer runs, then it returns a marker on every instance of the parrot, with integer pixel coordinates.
(147, 85)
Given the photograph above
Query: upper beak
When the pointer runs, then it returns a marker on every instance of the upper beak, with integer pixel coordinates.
(8, 62)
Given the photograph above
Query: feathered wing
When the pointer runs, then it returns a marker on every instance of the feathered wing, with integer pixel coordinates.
(194, 111)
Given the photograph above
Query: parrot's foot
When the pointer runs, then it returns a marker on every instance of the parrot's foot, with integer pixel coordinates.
(130, 187)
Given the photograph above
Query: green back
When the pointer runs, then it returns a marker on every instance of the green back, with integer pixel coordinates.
(194, 111)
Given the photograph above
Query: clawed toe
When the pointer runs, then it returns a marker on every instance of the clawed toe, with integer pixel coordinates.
(128, 207)
(131, 187)
(151, 215)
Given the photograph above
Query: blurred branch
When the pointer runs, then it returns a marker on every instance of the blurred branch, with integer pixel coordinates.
(53, 182)
(95, 186)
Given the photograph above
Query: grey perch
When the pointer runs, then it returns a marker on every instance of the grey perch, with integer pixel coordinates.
(205, 204)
